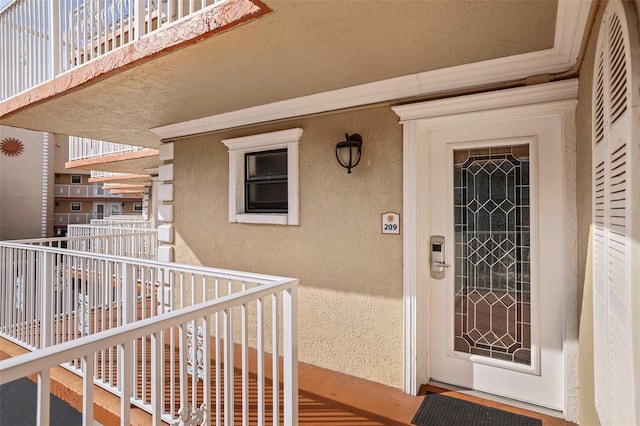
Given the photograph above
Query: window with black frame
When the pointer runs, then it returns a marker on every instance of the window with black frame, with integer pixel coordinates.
(266, 182)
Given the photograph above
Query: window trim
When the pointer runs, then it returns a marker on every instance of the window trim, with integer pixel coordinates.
(238, 147)
(75, 176)
(78, 203)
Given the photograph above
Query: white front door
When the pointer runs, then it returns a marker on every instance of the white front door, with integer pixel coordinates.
(496, 303)
(103, 210)
(98, 208)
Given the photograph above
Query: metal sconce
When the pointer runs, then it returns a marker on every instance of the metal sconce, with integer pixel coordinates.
(348, 153)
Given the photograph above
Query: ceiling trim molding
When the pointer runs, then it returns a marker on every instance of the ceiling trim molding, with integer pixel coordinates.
(571, 20)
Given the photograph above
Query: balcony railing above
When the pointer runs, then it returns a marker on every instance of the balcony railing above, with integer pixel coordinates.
(61, 219)
(102, 174)
(86, 191)
(85, 148)
(42, 39)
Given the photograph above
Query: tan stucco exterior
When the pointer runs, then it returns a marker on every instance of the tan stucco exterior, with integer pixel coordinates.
(350, 311)
(22, 186)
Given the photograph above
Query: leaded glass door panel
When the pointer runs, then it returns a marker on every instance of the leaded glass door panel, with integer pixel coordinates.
(492, 295)
(485, 314)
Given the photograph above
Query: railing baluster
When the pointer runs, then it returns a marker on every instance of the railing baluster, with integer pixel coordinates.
(228, 368)
(275, 369)
(260, 360)
(290, 349)
(46, 281)
(245, 359)
(124, 380)
(87, 390)
(156, 379)
(206, 380)
(182, 335)
(218, 357)
(43, 398)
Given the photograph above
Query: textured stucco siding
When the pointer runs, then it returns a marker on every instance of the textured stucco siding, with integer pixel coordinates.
(350, 308)
(21, 186)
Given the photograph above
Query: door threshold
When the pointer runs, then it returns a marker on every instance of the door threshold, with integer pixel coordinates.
(499, 399)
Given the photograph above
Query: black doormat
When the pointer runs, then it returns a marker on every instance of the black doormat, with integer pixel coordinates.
(441, 410)
(18, 406)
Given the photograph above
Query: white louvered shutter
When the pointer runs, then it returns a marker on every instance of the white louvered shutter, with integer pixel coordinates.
(616, 218)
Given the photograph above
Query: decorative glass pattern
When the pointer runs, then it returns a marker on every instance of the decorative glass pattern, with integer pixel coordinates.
(492, 253)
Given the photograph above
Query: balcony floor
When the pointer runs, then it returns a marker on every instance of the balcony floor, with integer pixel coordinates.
(325, 398)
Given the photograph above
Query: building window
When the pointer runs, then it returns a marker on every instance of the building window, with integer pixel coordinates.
(76, 207)
(263, 178)
(137, 207)
(265, 187)
(76, 179)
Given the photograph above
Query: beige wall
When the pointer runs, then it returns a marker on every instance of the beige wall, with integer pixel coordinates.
(61, 150)
(64, 178)
(21, 186)
(350, 310)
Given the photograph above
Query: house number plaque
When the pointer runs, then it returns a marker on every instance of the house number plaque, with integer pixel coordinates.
(390, 223)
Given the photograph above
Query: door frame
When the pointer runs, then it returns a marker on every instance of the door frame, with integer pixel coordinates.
(556, 100)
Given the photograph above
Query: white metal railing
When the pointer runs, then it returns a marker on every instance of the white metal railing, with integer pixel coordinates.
(103, 174)
(174, 340)
(139, 243)
(84, 148)
(42, 39)
(129, 217)
(60, 219)
(84, 191)
(123, 223)
(71, 218)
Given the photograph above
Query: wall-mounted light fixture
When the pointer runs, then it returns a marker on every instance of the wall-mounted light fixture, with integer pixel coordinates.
(348, 152)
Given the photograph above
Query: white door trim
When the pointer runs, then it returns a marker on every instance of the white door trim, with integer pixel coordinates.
(553, 99)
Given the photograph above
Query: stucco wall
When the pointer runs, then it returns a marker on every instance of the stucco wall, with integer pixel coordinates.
(61, 151)
(350, 310)
(21, 186)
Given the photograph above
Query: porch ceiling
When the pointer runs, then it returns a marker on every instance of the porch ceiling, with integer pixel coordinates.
(301, 48)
